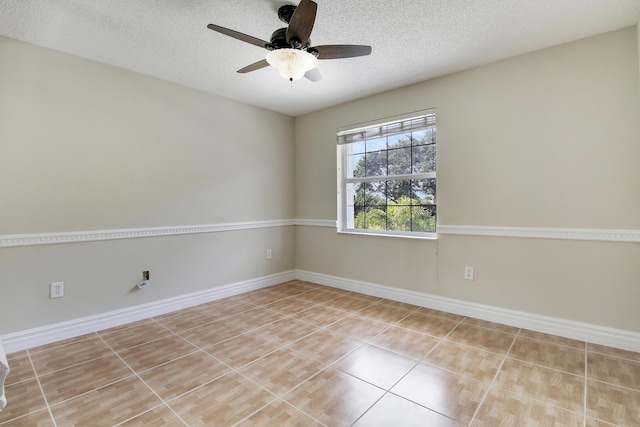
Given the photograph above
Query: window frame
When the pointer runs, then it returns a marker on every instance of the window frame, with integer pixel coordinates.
(343, 168)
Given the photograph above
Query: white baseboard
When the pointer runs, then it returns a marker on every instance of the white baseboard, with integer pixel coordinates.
(596, 334)
(59, 331)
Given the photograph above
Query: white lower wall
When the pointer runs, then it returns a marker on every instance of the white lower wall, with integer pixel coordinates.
(592, 282)
(25, 339)
(101, 276)
(596, 334)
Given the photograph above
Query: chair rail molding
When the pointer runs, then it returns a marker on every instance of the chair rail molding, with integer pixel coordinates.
(595, 234)
(317, 222)
(13, 240)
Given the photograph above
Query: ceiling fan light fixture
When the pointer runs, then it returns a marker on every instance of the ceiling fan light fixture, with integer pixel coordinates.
(292, 63)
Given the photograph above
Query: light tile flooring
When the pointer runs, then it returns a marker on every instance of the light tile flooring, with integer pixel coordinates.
(304, 354)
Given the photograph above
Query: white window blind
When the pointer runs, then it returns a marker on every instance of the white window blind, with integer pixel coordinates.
(386, 129)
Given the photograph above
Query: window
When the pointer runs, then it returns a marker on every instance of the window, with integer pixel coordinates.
(387, 176)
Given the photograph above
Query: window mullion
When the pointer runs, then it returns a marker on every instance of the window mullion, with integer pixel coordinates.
(427, 175)
(386, 191)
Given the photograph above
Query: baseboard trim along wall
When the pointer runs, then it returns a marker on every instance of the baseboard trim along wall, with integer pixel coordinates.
(596, 334)
(576, 330)
(59, 331)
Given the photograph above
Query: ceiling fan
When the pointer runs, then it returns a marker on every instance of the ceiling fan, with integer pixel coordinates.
(290, 49)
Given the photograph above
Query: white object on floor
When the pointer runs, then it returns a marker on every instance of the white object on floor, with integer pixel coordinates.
(4, 371)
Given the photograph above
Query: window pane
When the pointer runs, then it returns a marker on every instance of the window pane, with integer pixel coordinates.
(400, 161)
(376, 144)
(423, 219)
(376, 163)
(424, 192)
(375, 193)
(401, 140)
(371, 219)
(399, 191)
(424, 159)
(425, 136)
(398, 217)
(357, 166)
(357, 147)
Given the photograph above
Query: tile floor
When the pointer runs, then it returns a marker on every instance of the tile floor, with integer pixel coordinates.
(305, 354)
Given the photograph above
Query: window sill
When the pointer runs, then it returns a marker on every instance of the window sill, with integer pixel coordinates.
(421, 236)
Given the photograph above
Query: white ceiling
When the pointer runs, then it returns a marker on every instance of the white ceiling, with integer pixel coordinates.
(412, 40)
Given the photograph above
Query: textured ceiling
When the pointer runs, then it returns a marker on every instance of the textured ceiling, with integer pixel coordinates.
(412, 40)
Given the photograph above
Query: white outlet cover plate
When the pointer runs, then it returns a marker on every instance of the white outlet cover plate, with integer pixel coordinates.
(468, 272)
(57, 290)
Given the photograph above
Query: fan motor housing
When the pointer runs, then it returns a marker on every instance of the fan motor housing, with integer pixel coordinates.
(279, 41)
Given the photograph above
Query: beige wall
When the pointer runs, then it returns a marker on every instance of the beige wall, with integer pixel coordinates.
(85, 146)
(547, 139)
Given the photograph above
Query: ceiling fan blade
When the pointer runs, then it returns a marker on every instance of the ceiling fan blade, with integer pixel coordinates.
(337, 51)
(302, 21)
(253, 67)
(313, 75)
(240, 36)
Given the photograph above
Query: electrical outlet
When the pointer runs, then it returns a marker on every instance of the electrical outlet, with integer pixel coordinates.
(468, 272)
(268, 253)
(57, 290)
